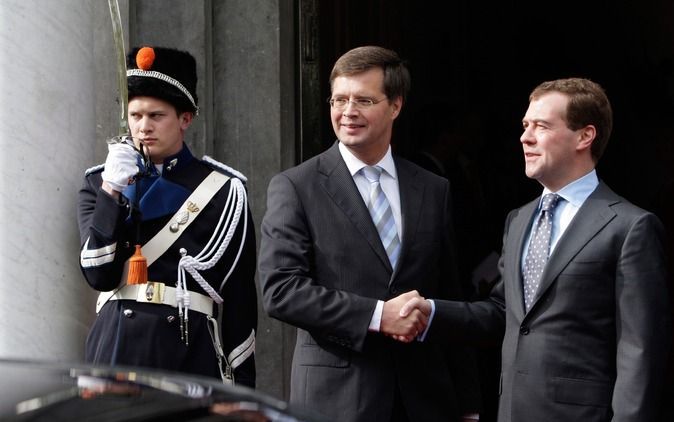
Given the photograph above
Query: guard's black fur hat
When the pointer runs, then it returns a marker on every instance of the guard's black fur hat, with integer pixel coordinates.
(179, 65)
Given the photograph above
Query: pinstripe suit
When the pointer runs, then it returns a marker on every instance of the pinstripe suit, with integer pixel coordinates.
(323, 268)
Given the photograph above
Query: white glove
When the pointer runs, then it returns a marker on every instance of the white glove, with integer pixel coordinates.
(120, 166)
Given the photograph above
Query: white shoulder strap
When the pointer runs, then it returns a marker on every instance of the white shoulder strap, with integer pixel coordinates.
(156, 246)
(187, 213)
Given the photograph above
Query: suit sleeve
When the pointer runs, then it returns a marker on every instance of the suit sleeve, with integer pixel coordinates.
(642, 322)
(477, 323)
(101, 222)
(290, 290)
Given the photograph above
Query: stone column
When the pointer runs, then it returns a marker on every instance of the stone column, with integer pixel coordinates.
(253, 128)
(46, 142)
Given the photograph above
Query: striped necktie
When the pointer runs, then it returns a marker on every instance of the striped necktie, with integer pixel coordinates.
(381, 213)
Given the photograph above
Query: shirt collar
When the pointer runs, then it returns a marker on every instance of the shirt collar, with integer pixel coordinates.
(354, 164)
(577, 191)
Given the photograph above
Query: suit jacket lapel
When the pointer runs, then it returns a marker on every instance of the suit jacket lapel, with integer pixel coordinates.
(339, 185)
(519, 227)
(411, 195)
(591, 218)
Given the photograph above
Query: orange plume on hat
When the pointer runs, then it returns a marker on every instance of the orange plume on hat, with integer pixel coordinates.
(145, 58)
(164, 73)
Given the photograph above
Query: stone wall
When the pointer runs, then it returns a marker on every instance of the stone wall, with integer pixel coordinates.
(58, 94)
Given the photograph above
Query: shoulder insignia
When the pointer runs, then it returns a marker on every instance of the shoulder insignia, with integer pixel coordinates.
(223, 168)
(94, 169)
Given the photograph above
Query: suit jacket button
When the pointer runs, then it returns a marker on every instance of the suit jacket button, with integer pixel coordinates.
(524, 330)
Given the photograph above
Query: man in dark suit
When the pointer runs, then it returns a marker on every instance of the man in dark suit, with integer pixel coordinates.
(587, 322)
(350, 236)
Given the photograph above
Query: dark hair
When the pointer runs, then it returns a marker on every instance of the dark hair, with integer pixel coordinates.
(396, 76)
(588, 105)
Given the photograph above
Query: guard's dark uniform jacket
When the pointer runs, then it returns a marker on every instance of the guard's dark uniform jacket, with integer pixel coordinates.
(127, 332)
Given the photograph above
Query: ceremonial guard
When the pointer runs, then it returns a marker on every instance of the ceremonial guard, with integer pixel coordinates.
(193, 308)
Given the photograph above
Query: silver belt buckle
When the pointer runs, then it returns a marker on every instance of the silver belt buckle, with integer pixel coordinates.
(153, 293)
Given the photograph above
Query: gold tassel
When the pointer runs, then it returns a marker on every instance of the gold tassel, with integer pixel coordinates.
(137, 268)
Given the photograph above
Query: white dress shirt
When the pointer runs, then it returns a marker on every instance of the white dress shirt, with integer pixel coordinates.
(389, 184)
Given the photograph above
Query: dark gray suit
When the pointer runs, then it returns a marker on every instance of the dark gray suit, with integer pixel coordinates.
(323, 267)
(593, 346)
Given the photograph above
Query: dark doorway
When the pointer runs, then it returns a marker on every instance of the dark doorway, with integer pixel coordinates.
(477, 61)
(486, 58)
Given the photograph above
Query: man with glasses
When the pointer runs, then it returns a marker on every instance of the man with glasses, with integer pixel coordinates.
(348, 237)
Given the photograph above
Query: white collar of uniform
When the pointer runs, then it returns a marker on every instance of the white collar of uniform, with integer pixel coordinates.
(354, 164)
(577, 191)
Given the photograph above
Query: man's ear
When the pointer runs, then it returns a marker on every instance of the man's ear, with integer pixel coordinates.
(397, 106)
(185, 119)
(586, 137)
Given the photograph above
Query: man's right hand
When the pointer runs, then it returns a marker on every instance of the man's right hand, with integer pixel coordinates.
(121, 166)
(416, 303)
(403, 328)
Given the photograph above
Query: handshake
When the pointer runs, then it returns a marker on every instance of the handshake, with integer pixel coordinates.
(405, 317)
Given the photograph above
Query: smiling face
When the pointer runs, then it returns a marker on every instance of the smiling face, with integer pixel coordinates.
(554, 154)
(365, 131)
(158, 126)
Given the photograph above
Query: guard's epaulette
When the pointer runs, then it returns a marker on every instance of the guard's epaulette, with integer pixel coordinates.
(223, 168)
(94, 169)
